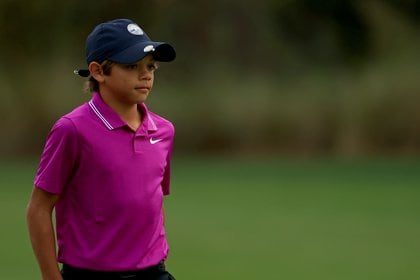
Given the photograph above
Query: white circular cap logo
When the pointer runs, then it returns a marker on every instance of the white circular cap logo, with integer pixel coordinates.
(149, 48)
(134, 29)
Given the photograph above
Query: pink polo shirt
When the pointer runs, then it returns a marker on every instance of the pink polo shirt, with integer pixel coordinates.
(111, 181)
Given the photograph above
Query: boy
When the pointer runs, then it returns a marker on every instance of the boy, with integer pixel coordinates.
(106, 167)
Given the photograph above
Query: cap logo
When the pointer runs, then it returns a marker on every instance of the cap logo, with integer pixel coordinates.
(134, 29)
(148, 48)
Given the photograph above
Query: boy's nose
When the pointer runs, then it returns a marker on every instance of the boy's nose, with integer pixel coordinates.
(144, 74)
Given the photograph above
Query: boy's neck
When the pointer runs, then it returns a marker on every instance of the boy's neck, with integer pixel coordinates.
(133, 117)
(130, 113)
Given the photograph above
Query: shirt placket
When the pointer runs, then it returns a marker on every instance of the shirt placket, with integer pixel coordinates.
(140, 140)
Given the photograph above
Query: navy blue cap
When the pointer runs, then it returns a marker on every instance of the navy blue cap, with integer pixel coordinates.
(123, 41)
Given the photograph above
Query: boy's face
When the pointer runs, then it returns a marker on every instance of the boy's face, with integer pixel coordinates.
(130, 83)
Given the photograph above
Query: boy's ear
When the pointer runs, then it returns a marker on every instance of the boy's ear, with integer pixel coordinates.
(96, 72)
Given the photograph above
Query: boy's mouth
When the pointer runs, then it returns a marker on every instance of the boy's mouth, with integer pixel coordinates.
(142, 88)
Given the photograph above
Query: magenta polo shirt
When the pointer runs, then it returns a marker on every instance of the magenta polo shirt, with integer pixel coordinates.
(111, 182)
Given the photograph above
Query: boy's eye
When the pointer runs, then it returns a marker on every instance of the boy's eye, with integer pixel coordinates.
(131, 66)
(152, 67)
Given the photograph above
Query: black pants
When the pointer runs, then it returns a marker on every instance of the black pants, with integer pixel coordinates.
(157, 272)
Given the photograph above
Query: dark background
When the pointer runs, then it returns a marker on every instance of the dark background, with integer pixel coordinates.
(291, 77)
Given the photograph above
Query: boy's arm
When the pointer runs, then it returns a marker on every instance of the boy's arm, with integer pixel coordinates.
(41, 232)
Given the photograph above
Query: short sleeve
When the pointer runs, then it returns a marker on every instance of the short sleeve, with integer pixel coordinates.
(166, 182)
(58, 160)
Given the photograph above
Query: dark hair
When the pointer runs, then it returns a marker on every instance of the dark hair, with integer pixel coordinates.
(92, 84)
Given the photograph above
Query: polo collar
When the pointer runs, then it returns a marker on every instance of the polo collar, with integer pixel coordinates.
(111, 119)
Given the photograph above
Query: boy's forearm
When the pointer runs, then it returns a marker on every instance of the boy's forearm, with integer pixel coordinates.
(42, 237)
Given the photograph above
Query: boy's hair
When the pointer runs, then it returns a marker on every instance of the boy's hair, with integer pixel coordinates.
(92, 84)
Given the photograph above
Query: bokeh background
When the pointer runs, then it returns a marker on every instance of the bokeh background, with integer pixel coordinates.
(297, 149)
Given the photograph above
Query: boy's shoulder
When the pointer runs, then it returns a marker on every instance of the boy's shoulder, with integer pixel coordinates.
(66, 125)
(83, 115)
(77, 112)
(74, 117)
(160, 121)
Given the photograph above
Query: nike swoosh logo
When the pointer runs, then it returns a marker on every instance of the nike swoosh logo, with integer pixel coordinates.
(154, 141)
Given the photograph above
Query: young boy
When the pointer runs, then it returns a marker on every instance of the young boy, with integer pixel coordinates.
(106, 167)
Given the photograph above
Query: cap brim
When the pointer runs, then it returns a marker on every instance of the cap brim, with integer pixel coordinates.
(160, 51)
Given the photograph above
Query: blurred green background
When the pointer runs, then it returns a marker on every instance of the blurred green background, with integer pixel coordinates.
(297, 149)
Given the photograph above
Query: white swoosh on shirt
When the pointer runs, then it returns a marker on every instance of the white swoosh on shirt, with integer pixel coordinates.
(154, 141)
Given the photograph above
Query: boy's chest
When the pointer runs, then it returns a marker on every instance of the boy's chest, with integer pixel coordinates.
(122, 151)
